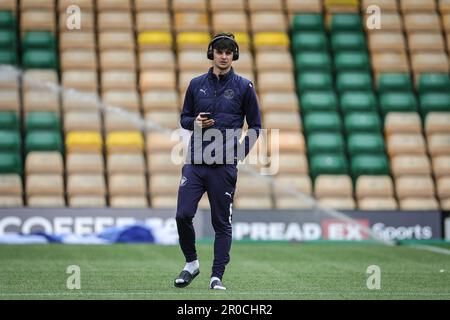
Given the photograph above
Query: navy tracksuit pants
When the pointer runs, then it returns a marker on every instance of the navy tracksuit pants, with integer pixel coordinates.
(219, 181)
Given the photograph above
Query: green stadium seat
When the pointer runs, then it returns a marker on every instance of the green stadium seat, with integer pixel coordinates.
(307, 61)
(38, 40)
(434, 101)
(40, 59)
(307, 22)
(328, 164)
(362, 122)
(8, 56)
(314, 80)
(358, 101)
(322, 122)
(309, 41)
(318, 101)
(434, 82)
(365, 143)
(8, 39)
(354, 81)
(369, 165)
(42, 121)
(345, 22)
(354, 60)
(394, 82)
(43, 141)
(398, 102)
(9, 120)
(10, 141)
(326, 143)
(348, 41)
(7, 20)
(10, 162)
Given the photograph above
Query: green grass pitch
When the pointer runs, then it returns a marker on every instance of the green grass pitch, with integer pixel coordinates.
(256, 271)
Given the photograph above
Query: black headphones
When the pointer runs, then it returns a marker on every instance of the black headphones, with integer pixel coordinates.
(210, 53)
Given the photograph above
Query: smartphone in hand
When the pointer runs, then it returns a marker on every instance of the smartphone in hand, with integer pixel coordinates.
(206, 115)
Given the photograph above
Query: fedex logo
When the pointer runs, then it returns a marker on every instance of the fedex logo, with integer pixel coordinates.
(342, 230)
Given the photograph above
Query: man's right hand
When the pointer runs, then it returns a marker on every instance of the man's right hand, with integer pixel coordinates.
(203, 122)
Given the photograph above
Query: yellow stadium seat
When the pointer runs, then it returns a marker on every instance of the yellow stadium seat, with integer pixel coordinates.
(186, 40)
(243, 40)
(271, 39)
(124, 141)
(83, 141)
(155, 39)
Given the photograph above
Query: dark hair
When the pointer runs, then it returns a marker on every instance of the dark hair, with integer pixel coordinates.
(224, 44)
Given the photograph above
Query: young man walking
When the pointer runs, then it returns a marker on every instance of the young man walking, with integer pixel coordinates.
(215, 103)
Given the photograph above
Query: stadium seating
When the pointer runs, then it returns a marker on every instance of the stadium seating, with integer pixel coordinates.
(364, 114)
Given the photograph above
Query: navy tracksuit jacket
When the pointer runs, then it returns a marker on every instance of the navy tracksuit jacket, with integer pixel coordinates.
(230, 98)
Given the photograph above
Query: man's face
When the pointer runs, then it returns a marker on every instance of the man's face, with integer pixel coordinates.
(223, 59)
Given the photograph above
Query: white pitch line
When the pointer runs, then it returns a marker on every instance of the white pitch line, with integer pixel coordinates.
(431, 248)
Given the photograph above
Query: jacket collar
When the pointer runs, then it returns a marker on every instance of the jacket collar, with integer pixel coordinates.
(223, 77)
